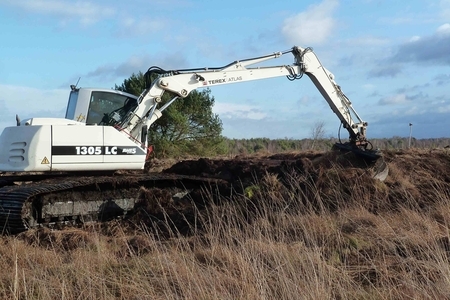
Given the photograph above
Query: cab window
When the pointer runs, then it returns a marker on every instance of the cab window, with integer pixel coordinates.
(102, 103)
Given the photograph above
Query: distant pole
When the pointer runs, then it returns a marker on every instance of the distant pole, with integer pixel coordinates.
(410, 134)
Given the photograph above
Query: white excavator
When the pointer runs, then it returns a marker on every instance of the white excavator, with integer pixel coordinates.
(106, 130)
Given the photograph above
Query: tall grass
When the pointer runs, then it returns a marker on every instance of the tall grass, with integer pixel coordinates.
(344, 236)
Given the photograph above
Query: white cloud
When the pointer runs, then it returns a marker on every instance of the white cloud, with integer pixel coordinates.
(132, 26)
(31, 102)
(444, 29)
(413, 110)
(242, 111)
(444, 109)
(312, 26)
(368, 86)
(305, 100)
(138, 63)
(85, 12)
(396, 99)
(431, 49)
(368, 41)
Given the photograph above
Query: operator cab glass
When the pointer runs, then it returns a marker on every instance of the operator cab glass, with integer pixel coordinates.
(72, 105)
(100, 107)
(104, 105)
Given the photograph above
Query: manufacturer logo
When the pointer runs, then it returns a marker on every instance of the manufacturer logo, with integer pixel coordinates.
(224, 80)
(129, 150)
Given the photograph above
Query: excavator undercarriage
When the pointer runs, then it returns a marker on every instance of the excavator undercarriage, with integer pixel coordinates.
(71, 200)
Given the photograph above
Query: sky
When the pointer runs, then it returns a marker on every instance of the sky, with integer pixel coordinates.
(390, 58)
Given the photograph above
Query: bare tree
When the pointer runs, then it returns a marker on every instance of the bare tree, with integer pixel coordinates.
(317, 132)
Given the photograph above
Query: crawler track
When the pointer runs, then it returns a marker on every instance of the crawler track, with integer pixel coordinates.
(70, 200)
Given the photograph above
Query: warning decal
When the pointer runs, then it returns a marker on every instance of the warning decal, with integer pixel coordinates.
(45, 161)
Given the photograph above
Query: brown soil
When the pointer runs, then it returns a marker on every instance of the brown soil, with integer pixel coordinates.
(319, 181)
(410, 167)
(247, 170)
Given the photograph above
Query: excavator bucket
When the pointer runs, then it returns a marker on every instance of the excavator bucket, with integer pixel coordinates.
(371, 160)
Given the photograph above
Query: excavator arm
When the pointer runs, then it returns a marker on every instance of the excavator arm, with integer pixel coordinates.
(182, 82)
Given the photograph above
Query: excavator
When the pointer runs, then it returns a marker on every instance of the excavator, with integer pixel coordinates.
(45, 161)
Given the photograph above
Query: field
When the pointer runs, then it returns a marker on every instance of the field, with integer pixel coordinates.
(286, 226)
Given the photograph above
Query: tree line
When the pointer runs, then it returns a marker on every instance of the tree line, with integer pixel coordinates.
(265, 145)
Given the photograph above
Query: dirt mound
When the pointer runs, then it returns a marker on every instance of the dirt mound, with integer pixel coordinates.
(419, 166)
(307, 181)
(414, 164)
(331, 174)
(248, 170)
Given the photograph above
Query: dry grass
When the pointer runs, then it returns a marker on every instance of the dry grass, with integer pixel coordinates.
(342, 237)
